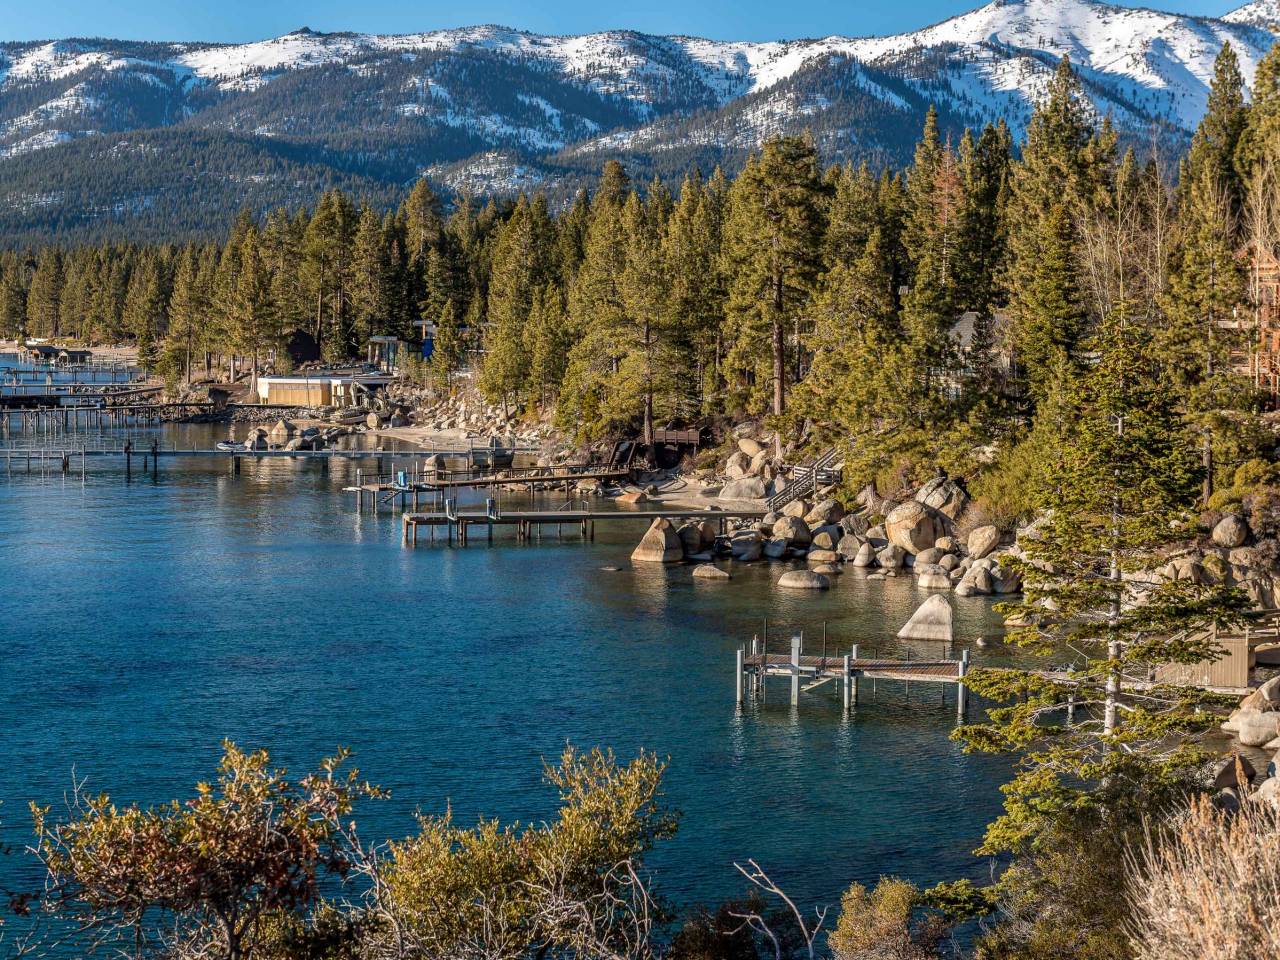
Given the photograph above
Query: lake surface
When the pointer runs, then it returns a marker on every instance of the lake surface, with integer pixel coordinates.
(144, 621)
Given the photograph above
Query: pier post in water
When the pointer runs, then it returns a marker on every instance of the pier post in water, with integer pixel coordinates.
(848, 683)
(962, 694)
(795, 670)
(739, 675)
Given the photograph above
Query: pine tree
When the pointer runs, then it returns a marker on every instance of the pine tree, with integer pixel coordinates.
(623, 370)
(280, 244)
(1052, 185)
(144, 309)
(1119, 489)
(520, 268)
(856, 326)
(45, 295)
(1207, 280)
(447, 346)
(1215, 145)
(773, 255)
(325, 274)
(252, 325)
(694, 290)
(853, 213)
(1261, 128)
(546, 339)
(370, 278)
(186, 315)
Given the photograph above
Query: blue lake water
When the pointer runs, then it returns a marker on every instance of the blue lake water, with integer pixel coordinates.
(144, 621)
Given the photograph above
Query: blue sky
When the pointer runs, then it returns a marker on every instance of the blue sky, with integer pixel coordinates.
(239, 20)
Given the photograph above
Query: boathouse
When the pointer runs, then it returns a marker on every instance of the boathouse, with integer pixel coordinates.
(320, 389)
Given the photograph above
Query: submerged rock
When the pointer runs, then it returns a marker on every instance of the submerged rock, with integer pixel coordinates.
(804, 580)
(709, 571)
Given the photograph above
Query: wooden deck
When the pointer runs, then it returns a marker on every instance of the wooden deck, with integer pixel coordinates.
(806, 673)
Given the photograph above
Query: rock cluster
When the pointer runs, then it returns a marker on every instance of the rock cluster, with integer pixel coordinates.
(917, 537)
(1232, 556)
(751, 472)
(1255, 723)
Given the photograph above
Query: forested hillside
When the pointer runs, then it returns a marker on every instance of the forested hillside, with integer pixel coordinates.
(827, 297)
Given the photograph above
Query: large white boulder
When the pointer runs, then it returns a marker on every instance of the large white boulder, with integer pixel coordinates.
(945, 496)
(914, 526)
(660, 544)
(794, 530)
(709, 571)
(931, 621)
(824, 512)
(737, 466)
(1254, 728)
(982, 540)
(748, 488)
(1230, 532)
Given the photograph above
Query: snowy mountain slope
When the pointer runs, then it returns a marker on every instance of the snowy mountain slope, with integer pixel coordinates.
(1264, 14)
(489, 107)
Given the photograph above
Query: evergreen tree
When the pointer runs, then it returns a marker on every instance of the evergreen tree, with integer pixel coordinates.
(1052, 185)
(547, 342)
(773, 255)
(371, 295)
(44, 299)
(1207, 280)
(520, 268)
(851, 216)
(447, 346)
(1119, 489)
(252, 324)
(144, 309)
(694, 297)
(1261, 127)
(186, 315)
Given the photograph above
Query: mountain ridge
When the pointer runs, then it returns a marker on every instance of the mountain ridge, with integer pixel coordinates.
(494, 109)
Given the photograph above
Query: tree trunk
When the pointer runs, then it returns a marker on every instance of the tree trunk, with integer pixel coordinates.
(1206, 460)
(779, 369)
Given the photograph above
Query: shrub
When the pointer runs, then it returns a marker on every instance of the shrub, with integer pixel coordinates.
(1211, 892)
(882, 924)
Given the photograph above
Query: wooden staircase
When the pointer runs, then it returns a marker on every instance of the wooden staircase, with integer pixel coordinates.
(807, 478)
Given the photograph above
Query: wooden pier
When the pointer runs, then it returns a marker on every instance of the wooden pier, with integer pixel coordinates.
(805, 673)
(529, 524)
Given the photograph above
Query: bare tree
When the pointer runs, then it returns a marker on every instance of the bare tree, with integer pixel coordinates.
(756, 921)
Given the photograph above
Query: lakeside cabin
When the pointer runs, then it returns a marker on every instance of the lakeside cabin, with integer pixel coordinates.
(320, 389)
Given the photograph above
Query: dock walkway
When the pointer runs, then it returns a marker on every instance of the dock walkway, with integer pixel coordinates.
(529, 524)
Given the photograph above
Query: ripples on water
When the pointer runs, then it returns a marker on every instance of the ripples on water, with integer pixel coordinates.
(143, 622)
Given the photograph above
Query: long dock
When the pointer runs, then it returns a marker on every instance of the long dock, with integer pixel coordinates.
(529, 524)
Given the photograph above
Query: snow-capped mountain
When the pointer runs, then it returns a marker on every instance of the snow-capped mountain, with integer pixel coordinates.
(493, 109)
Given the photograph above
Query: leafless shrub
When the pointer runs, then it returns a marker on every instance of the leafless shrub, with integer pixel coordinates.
(1212, 891)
